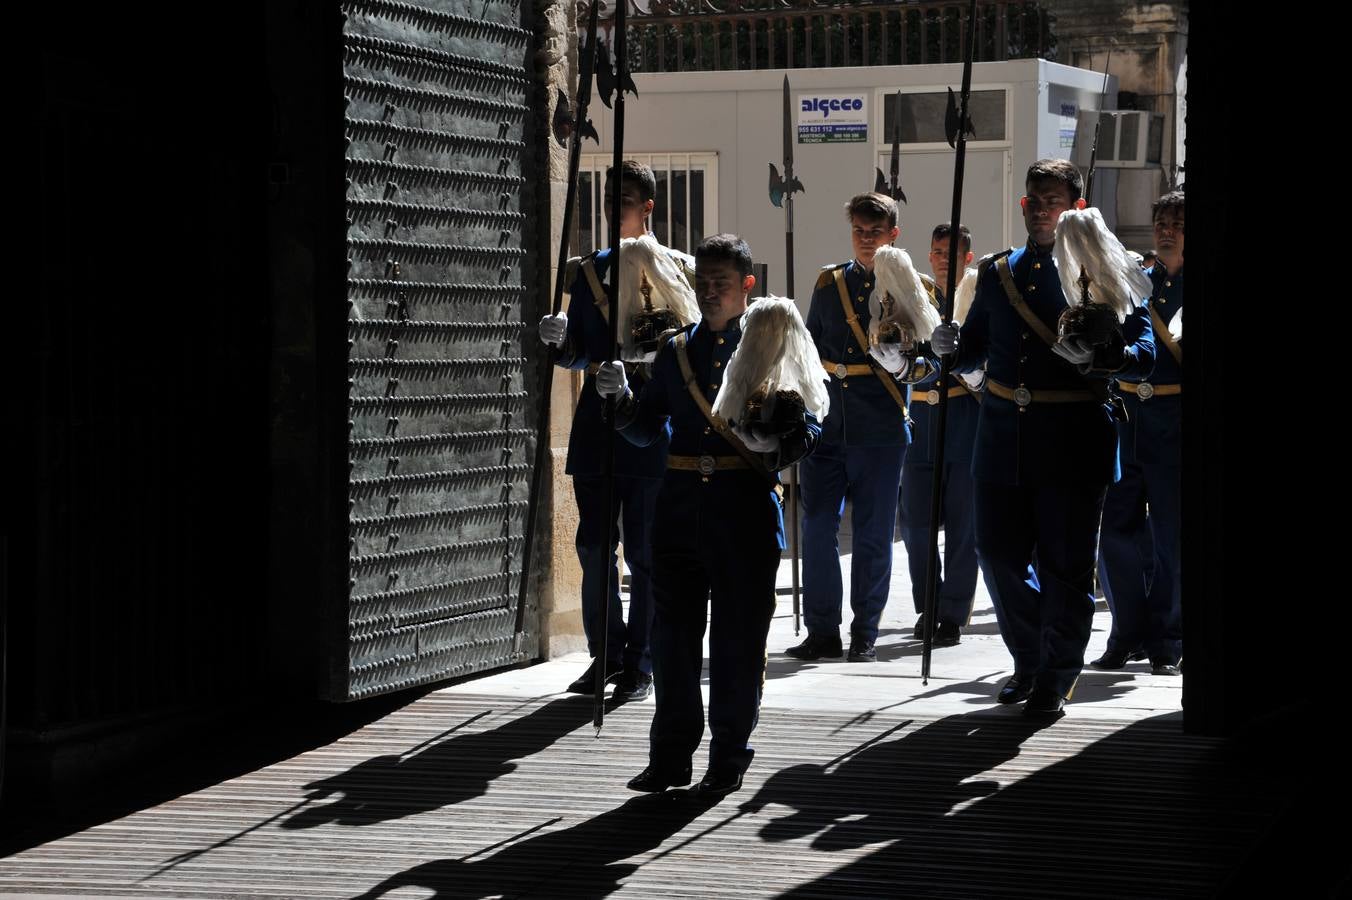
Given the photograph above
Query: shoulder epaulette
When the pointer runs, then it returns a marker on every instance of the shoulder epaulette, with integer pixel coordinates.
(664, 341)
(825, 278)
(989, 260)
(931, 287)
(571, 269)
(668, 339)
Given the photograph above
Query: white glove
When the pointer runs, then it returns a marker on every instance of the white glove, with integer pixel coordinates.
(890, 357)
(974, 380)
(1075, 350)
(944, 340)
(553, 329)
(611, 380)
(755, 441)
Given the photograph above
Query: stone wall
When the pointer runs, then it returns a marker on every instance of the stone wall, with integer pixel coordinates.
(561, 577)
(1149, 43)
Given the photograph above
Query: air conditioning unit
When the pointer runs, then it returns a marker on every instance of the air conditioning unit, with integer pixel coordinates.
(1128, 138)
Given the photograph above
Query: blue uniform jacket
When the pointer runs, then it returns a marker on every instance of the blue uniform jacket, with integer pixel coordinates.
(862, 413)
(1154, 434)
(588, 341)
(666, 407)
(1047, 442)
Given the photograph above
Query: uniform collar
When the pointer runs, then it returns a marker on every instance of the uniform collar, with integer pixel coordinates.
(1033, 251)
(1160, 274)
(734, 329)
(855, 269)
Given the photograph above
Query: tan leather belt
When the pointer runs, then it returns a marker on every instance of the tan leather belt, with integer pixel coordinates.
(932, 396)
(629, 368)
(1145, 390)
(706, 464)
(1024, 396)
(843, 370)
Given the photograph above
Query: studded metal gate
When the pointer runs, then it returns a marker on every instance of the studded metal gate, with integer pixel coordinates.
(439, 138)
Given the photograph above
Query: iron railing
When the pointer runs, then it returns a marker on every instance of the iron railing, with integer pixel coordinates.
(739, 35)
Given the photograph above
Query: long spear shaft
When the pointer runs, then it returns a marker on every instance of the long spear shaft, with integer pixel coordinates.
(608, 457)
(946, 363)
(585, 66)
(1098, 122)
(788, 287)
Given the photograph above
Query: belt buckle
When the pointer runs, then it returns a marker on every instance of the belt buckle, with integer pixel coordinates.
(932, 398)
(707, 464)
(841, 371)
(1145, 390)
(1023, 396)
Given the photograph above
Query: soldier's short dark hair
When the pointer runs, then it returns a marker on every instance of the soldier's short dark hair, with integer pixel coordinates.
(1171, 200)
(944, 229)
(1062, 170)
(871, 207)
(725, 248)
(632, 170)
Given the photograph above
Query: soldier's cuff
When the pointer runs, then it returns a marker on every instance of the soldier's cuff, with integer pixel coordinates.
(625, 409)
(1108, 361)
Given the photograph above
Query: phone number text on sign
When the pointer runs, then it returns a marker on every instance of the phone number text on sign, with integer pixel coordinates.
(822, 134)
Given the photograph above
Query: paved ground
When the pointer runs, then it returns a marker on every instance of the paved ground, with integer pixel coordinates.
(867, 783)
(963, 678)
(472, 795)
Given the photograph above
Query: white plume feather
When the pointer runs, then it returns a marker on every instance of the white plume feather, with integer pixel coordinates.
(1176, 325)
(964, 295)
(777, 349)
(670, 289)
(1084, 241)
(911, 306)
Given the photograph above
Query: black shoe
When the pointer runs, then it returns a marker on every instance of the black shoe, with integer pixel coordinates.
(817, 646)
(1111, 660)
(920, 628)
(586, 684)
(947, 635)
(719, 783)
(1016, 689)
(1164, 668)
(632, 685)
(861, 650)
(1043, 701)
(654, 780)
(1137, 655)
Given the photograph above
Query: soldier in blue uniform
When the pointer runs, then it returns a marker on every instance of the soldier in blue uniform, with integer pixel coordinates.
(584, 342)
(1142, 509)
(1046, 446)
(717, 537)
(957, 583)
(864, 439)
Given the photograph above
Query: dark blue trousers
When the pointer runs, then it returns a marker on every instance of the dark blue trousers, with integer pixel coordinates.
(957, 578)
(634, 502)
(715, 562)
(1045, 609)
(870, 475)
(1144, 591)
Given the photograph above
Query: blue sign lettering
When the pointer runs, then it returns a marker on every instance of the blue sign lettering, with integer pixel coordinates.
(828, 105)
